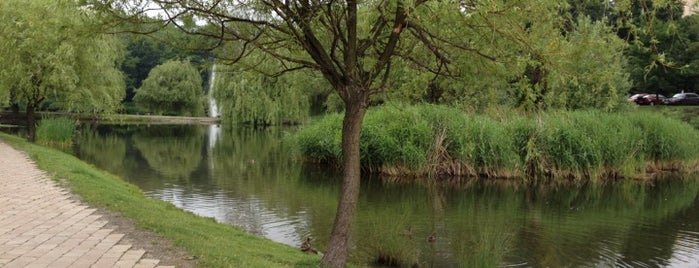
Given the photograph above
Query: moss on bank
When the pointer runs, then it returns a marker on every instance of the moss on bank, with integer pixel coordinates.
(216, 244)
(581, 145)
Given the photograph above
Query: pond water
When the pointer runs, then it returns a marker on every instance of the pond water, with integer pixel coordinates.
(253, 179)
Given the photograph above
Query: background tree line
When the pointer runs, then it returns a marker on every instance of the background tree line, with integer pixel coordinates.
(655, 53)
(659, 56)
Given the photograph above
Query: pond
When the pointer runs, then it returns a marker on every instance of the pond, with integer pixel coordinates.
(254, 180)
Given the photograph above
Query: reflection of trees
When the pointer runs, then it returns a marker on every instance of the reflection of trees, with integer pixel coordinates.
(489, 225)
(104, 151)
(258, 164)
(478, 225)
(247, 153)
(173, 151)
(664, 230)
(583, 226)
(482, 222)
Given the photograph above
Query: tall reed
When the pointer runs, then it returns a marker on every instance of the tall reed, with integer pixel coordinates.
(579, 145)
(55, 131)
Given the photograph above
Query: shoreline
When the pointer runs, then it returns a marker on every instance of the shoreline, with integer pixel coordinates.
(119, 118)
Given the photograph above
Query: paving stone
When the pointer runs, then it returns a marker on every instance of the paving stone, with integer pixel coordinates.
(41, 226)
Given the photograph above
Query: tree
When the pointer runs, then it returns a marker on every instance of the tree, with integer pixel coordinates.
(143, 55)
(172, 88)
(558, 61)
(146, 52)
(246, 96)
(689, 57)
(49, 51)
(354, 45)
(653, 32)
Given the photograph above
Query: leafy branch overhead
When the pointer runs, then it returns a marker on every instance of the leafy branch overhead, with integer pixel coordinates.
(321, 35)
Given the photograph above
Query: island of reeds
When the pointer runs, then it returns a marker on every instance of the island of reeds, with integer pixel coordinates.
(416, 141)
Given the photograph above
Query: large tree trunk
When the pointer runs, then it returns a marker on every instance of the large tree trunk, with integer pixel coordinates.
(338, 247)
(31, 122)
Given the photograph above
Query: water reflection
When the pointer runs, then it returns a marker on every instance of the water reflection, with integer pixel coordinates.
(252, 179)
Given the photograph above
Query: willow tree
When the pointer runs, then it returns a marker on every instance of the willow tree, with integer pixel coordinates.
(172, 88)
(48, 51)
(247, 97)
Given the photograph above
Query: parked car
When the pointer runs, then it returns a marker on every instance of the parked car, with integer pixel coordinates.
(683, 99)
(651, 99)
(634, 98)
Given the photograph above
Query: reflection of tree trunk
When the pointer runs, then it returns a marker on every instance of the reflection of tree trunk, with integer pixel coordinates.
(438, 238)
(338, 246)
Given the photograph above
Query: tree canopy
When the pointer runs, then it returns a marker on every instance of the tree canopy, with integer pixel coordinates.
(50, 52)
(247, 96)
(143, 53)
(172, 88)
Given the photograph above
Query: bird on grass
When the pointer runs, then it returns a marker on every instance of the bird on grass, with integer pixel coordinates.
(307, 247)
(432, 238)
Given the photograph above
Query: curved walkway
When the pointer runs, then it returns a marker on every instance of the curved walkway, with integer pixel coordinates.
(41, 225)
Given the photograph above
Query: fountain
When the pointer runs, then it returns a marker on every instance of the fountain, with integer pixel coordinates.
(213, 107)
(214, 130)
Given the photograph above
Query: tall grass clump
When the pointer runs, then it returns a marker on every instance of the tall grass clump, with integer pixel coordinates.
(56, 131)
(666, 142)
(590, 144)
(321, 142)
(395, 137)
(525, 134)
(573, 145)
(415, 140)
(568, 145)
(492, 150)
(620, 143)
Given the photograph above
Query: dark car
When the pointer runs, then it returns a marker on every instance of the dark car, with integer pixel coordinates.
(651, 99)
(683, 99)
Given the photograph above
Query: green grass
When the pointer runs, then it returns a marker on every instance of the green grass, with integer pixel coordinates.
(58, 131)
(216, 245)
(578, 145)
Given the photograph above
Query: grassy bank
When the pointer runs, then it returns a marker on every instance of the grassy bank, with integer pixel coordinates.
(216, 245)
(583, 145)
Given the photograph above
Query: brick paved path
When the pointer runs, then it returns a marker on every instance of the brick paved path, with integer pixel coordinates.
(41, 226)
